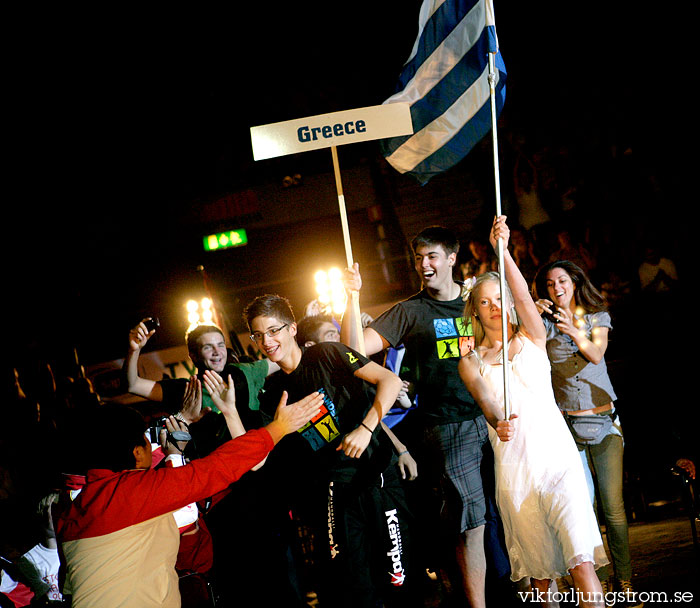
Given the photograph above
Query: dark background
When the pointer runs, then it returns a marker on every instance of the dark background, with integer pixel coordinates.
(121, 120)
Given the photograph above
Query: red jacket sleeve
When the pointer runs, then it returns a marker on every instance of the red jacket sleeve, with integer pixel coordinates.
(113, 501)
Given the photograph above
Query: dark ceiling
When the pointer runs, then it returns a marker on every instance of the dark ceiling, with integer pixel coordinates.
(120, 122)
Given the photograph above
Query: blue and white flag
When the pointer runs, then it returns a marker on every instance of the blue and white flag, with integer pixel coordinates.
(445, 81)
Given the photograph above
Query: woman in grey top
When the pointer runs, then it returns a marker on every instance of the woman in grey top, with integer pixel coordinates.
(577, 324)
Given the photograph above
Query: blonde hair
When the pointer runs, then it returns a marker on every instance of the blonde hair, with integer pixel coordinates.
(471, 305)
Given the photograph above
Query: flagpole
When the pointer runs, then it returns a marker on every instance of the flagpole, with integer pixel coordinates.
(219, 317)
(354, 295)
(502, 281)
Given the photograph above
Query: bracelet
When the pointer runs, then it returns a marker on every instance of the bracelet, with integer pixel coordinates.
(369, 429)
(402, 453)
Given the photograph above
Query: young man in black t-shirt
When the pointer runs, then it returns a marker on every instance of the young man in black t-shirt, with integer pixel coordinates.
(339, 469)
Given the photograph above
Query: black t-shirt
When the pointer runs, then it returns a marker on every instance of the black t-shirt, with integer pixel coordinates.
(328, 368)
(436, 335)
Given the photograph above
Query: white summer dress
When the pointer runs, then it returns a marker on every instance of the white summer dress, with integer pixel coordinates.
(541, 490)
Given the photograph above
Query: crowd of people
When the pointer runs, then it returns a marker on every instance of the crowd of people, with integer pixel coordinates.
(355, 462)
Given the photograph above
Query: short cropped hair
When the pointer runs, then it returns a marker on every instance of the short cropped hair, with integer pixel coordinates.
(308, 328)
(110, 432)
(269, 305)
(195, 333)
(436, 235)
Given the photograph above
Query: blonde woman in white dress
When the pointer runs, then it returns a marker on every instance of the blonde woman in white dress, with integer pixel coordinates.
(549, 523)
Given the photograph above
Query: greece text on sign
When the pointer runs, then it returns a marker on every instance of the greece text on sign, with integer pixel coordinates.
(334, 129)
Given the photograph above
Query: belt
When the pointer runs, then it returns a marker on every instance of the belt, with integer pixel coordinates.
(601, 409)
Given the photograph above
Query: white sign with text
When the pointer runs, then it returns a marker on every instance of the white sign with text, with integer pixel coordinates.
(333, 129)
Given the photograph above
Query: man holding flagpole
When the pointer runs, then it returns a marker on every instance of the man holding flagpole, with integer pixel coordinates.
(431, 326)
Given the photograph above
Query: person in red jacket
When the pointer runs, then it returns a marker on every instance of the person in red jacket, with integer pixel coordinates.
(118, 537)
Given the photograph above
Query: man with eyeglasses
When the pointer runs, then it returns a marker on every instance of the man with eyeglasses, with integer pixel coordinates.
(339, 471)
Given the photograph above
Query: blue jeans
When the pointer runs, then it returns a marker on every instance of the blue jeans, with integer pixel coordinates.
(604, 462)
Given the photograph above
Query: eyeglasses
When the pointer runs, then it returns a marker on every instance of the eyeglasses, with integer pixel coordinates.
(258, 336)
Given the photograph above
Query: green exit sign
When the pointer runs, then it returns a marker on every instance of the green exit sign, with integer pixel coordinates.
(224, 240)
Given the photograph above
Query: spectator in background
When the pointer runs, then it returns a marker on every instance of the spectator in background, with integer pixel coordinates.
(532, 216)
(317, 328)
(481, 260)
(572, 250)
(23, 552)
(522, 248)
(657, 274)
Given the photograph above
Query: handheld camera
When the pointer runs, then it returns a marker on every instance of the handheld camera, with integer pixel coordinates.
(152, 323)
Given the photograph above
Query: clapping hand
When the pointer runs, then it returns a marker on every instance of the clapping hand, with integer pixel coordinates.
(223, 394)
(192, 410)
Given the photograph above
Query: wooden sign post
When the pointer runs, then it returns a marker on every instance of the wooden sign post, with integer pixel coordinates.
(329, 131)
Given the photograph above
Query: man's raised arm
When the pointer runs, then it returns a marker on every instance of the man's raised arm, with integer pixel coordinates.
(374, 342)
(136, 385)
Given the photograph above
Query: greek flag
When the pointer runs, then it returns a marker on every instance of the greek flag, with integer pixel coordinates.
(445, 81)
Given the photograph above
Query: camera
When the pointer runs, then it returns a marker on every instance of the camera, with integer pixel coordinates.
(155, 428)
(153, 432)
(550, 315)
(152, 323)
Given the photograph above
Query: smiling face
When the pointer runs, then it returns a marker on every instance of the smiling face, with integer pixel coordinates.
(561, 288)
(211, 351)
(274, 338)
(434, 266)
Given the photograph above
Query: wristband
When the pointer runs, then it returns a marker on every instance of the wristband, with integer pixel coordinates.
(364, 425)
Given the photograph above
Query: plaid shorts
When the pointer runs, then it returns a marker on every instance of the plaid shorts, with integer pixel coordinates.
(455, 451)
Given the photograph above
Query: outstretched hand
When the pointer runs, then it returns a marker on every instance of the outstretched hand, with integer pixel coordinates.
(223, 394)
(505, 429)
(295, 415)
(192, 409)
